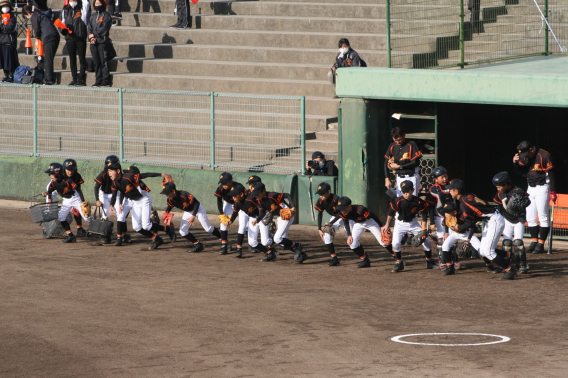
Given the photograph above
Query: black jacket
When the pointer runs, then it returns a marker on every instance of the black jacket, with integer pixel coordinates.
(73, 20)
(99, 25)
(329, 169)
(44, 29)
(351, 59)
(9, 33)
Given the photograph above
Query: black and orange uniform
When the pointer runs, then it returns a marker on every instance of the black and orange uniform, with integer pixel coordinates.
(78, 179)
(272, 203)
(406, 155)
(408, 209)
(406, 212)
(329, 205)
(222, 195)
(249, 206)
(473, 210)
(66, 188)
(438, 196)
(501, 199)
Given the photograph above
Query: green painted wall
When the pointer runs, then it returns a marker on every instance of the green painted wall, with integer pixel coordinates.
(307, 198)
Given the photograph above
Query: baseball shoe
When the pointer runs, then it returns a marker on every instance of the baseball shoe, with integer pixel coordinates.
(398, 267)
(303, 257)
(531, 247)
(297, 251)
(516, 259)
(105, 240)
(118, 242)
(172, 234)
(458, 266)
(524, 268)
(223, 250)
(509, 275)
(81, 232)
(334, 261)
(239, 253)
(365, 262)
(158, 241)
(197, 247)
(539, 248)
(253, 250)
(494, 269)
(270, 256)
(70, 238)
(126, 238)
(430, 264)
(449, 270)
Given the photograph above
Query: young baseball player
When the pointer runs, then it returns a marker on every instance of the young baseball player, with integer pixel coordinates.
(225, 206)
(403, 157)
(245, 208)
(474, 210)
(70, 167)
(328, 201)
(133, 199)
(362, 219)
(512, 203)
(280, 205)
(536, 164)
(65, 187)
(406, 208)
(191, 209)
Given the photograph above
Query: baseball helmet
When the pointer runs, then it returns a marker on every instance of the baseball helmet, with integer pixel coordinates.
(501, 179)
(54, 169)
(438, 171)
(70, 164)
(113, 159)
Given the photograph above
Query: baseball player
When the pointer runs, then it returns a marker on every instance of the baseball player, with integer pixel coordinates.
(403, 158)
(362, 219)
(475, 210)
(245, 208)
(274, 203)
(133, 199)
(406, 208)
(536, 164)
(514, 218)
(192, 208)
(70, 167)
(328, 201)
(225, 206)
(65, 187)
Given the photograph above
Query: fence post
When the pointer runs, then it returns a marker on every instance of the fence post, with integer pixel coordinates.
(303, 134)
(212, 131)
(339, 153)
(34, 88)
(388, 34)
(462, 36)
(546, 27)
(121, 122)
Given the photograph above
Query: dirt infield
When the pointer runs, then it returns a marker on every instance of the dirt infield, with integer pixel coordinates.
(82, 311)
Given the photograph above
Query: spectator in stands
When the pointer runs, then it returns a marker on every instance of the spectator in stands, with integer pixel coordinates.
(75, 16)
(8, 41)
(184, 15)
(47, 33)
(98, 27)
(114, 10)
(347, 57)
(318, 166)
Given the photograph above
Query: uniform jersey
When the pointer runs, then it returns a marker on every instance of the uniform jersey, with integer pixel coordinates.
(408, 209)
(358, 214)
(65, 187)
(128, 185)
(502, 198)
(78, 179)
(473, 210)
(184, 201)
(222, 193)
(248, 205)
(328, 205)
(438, 196)
(104, 183)
(536, 167)
(273, 202)
(407, 156)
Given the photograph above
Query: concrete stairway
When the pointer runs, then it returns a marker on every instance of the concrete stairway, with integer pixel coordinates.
(258, 47)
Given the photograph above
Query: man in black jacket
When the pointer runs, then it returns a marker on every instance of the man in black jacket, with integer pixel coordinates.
(45, 31)
(347, 57)
(318, 166)
(99, 26)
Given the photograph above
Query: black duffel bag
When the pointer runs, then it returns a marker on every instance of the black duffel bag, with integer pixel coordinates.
(100, 225)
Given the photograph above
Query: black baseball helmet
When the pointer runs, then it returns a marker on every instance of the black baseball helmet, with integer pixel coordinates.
(54, 169)
(501, 178)
(438, 171)
(112, 159)
(70, 164)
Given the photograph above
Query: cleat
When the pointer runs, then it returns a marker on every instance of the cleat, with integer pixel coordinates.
(509, 275)
(449, 270)
(398, 267)
(239, 253)
(118, 242)
(494, 269)
(531, 247)
(158, 241)
(334, 261)
(365, 263)
(172, 234)
(539, 248)
(430, 264)
(223, 250)
(197, 247)
(126, 238)
(302, 258)
(516, 259)
(270, 256)
(524, 268)
(253, 250)
(458, 266)
(105, 240)
(298, 248)
(81, 232)
(69, 239)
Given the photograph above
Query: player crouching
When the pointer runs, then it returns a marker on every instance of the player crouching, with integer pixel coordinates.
(66, 188)
(244, 207)
(192, 208)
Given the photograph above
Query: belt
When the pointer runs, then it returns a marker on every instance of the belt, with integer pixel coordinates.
(534, 186)
(405, 176)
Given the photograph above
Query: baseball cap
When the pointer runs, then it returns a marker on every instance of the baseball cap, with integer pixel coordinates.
(236, 190)
(168, 187)
(523, 148)
(323, 188)
(113, 165)
(458, 185)
(133, 169)
(448, 207)
(225, 178)
(257, 188)
(317, 154)
(343, 203)
(253, 179)
(406, 186)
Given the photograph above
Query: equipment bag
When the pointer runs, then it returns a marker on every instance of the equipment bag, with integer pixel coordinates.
(100, 225)
(20, 72)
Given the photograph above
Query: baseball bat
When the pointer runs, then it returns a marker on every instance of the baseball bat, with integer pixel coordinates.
(551, 230)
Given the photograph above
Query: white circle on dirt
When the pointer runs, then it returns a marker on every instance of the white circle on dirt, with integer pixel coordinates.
(500, 339)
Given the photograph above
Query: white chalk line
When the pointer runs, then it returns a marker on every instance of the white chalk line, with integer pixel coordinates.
(502, 339)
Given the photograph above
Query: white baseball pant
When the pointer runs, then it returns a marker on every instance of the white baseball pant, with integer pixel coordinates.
(401, 228)
(228, 211)
(513, 231)
(201, 216)
(453, 238)
(253, 231)
(415, 178)
(327, 238)
(140, 212)
(53, 195)
(490, 236)
(282, 227)
(105, 199)
(358, 229)
(243, 222)
(540, 202)
(68, 204)
(440, 229)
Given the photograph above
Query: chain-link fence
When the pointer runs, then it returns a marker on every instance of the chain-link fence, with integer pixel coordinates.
(190, 129)
(455, 33)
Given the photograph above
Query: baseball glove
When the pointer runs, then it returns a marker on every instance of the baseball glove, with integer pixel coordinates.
(154, 218)
(167, 218)
(287, 214)
(517, 203)
(267, 218)
(167, 178)
(75, 212)
(386, 237)
(419, 238)
(451, 221)
(328, 229)
(466, 251)
(224, 219)
(86, 207)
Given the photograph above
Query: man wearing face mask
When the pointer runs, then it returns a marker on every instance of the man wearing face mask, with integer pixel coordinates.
(74, 16)
(318, 166)
(98, 27)
(347, 57)
(8, 44)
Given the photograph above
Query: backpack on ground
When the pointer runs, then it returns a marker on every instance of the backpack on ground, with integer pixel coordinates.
(20, 72)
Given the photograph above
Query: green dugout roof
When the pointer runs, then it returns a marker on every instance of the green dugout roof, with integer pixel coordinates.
(540, 81)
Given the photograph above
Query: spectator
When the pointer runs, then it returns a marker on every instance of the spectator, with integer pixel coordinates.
(114, 10)
(47, 33)
(184, 15)
(318, 166)
(75, 16)
(347, 57)
(8, 41)
(99, 26)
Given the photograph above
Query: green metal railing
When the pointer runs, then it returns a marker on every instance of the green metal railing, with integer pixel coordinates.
(192, 129)
(456, 33)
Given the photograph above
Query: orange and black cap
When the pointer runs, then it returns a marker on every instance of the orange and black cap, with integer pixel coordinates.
(168, 187)
(323, 188)
(236, 190)
(225, 178)
(459, 185)
(406, 186)
(343, 203)
(257, 188)
(253, 179)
